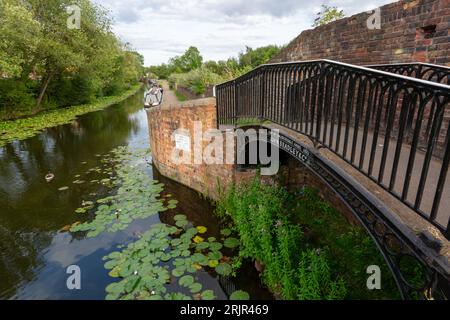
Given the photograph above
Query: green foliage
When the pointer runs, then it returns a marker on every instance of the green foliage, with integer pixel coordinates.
(315, 278)
(255, 57)
(66, 66)
(307, 248)
(196, 80)
(328, 14)
(267, 235)
(239, 295)
(137, 196)
(350, 249)
(21, 129)
(189, 71)
(189, 61)
(16, 93)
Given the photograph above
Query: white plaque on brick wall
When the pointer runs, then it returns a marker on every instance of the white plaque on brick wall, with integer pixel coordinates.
(183, 142)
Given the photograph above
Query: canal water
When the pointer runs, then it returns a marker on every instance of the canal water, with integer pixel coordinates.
(35, 252)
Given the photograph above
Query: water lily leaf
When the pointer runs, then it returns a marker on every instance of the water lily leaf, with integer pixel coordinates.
(191, 269)
(186, 281)
(202, 229)
(231, 243)
(226, 232)
(199, 258)
(224, 269)
(240, 295)
(195, 287)
(115, 288)
(179, 271)
(165, 257)
(180, 217)
(208, 295)
(181, 223)
(202, 246)
(215, 246)
(198, 239)
(215, 255)
(213, 263)
(115, 273)
(110, 264)
(197, 266)
(80, 210)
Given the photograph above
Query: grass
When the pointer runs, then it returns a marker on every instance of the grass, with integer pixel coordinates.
(24, 128)
(180, 96)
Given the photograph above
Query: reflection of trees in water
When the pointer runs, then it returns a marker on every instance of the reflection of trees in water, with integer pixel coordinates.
(31, 209)
(19, 255)
(198, 210)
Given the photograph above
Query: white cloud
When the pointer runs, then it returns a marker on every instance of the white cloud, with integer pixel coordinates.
(160, 29)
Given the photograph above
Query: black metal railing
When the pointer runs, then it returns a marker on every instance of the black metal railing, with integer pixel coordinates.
(393, 129)
(418, 70)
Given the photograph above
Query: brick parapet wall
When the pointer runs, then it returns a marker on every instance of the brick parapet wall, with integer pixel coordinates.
(163, 121)
(405, 36)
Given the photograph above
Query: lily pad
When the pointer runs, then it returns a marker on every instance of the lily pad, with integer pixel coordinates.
(202, 229)
(240, 295)
(226, 232)
(186, 281)
(231, 243)
(195, 287)
(208, 295)
(224, 269)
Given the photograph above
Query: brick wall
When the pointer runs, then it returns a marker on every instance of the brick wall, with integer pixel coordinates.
(407, 34)
(163, 121)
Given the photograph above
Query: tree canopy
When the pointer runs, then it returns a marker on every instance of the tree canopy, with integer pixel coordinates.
(44, 63)
(190, 71)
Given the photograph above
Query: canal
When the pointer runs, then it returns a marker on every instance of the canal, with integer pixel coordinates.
(36, 246)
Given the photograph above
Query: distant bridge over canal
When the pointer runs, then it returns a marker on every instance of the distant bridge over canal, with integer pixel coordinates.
(379, 136)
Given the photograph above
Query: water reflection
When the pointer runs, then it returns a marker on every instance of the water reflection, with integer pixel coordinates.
(34, 255)
(32, 210)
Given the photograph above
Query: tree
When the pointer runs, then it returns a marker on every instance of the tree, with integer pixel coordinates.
(258, 56)
(190, 60)
(19, 38)
(327, 15)
(40, 55)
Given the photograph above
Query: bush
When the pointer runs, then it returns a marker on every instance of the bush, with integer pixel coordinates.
(196, 80)
(16, 96)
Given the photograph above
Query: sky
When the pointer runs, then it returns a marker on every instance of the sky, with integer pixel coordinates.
(161, 29)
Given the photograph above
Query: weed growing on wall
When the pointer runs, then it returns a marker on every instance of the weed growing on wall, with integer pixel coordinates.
(304, 247)
(261, 216)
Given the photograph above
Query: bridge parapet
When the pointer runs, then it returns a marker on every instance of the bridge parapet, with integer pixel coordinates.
(392, 128)
(387, 128)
